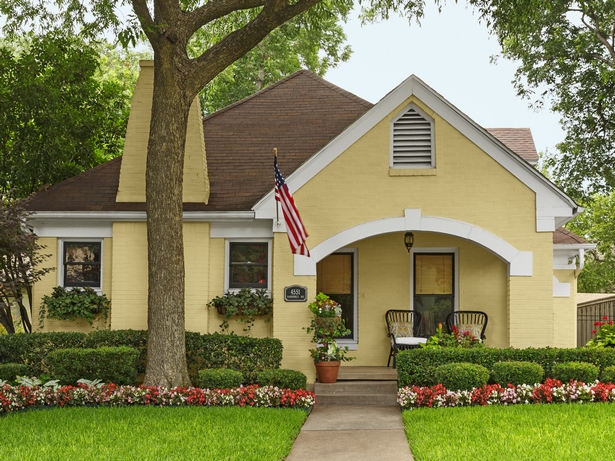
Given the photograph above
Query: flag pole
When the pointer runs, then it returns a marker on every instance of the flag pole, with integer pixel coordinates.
(277, 209)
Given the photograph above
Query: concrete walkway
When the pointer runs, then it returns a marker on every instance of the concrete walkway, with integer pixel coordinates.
(352, 432)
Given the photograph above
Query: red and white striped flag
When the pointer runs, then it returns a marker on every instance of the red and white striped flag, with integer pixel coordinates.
(294, 226)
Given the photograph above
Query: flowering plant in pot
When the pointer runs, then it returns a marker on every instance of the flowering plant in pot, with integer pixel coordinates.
(327, 325)
(246, 303)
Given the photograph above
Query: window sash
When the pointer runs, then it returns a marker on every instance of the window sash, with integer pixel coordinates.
(245, 273)
(82, 263)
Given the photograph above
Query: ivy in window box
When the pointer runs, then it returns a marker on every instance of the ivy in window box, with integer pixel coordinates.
(244, 304)
(73, 304)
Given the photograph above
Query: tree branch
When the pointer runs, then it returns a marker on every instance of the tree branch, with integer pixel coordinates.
(145, 18)
(215, 59)
(216, 9)
(596, 30)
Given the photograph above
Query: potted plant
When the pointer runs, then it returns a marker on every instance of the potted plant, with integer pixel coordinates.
(327, 325)
(246, 303)
(73, 304)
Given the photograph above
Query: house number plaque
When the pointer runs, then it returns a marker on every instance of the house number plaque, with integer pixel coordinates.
(295, 293)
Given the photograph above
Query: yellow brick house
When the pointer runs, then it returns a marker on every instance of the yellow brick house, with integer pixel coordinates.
(486, 224)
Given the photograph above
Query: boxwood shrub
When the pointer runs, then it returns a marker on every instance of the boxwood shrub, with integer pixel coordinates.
(10, 371)
(608, 375)
(504, 373)
(245, 354)
(220, 378)
(461, 376)
(284, 379)
(576, 371)
(417, 366)
(109, 364)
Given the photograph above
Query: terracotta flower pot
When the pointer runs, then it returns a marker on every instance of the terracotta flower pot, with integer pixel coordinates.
(327, 371)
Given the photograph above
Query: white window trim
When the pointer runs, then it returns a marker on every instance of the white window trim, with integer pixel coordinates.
(354, 342)
(61, 241)
(428, 119)
(455, 251)
(227, 260)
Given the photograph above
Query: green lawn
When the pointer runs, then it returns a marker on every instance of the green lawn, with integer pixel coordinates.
(521, 432)
(150, 433)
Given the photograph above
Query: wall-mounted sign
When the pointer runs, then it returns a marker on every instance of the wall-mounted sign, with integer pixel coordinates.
(295, 293)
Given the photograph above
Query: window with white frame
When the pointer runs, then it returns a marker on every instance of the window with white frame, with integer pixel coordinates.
(248, 264)
(412, 139)
(81, 263)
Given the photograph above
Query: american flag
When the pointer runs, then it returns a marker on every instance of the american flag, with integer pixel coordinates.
(294, 226)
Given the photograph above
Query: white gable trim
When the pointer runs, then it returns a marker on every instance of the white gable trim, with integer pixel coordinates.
(519, 262)
(553, 207)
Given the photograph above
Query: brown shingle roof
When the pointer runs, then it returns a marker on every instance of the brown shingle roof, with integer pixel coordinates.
(299, 115)
(562, 235)
(519, 140)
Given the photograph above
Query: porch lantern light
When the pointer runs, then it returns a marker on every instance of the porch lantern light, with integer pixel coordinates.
(409, 240)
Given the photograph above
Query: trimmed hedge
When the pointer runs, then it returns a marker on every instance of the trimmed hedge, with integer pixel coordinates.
(417, 366)
(576, 371)
(515, 373)
(461, 376)
(10, 371)
(608, 375)
(245, 354)
(242, 353)
(283, 379)
(220, 378)
(109, 364)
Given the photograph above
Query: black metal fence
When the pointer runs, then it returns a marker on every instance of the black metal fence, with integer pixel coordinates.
(590, 312)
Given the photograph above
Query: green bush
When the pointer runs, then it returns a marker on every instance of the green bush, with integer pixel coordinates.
(284, 379)
(220, 378)
(416, 366)
(10, 371)
(109, 364)
(242, 353)
(245, 354)
(608, 375)
(461, 376)
(504, 373)
(576, 371)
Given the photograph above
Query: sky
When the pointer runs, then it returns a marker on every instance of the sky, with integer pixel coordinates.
(451, 53)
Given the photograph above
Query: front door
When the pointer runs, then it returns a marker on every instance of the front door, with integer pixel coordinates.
(433, 289)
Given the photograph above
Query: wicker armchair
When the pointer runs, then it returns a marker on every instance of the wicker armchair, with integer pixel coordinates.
(403, 329)
(475, 321)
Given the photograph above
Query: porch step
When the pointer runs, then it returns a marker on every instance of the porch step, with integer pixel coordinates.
(359, 386)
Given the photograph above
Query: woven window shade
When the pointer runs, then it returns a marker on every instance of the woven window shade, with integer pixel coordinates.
(334, 274)
(434, 274)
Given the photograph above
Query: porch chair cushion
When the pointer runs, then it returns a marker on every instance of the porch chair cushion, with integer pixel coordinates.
(401, 329)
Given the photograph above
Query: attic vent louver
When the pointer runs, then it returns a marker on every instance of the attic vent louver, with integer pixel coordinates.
(412, 141)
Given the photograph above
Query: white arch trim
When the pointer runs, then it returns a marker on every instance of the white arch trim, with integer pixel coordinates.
(519, 262)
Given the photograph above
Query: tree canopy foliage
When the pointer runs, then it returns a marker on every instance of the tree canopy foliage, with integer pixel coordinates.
(597, 224)
(20, 260)
(60, 116)
(293, 46)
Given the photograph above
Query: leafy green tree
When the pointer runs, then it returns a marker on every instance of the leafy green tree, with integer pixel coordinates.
(597, 224)
(291, 47)
(20, 260)
(59, 116)
(169, 26)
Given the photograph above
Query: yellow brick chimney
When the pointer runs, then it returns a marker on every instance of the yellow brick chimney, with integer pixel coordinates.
(132, 174)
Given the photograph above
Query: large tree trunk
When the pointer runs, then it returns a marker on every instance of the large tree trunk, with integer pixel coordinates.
(166, 350)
